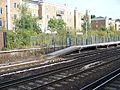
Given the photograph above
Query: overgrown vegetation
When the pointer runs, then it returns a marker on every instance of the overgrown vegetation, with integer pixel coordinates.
(27, 31)
(57, 25)
(26, 20)
(19, 38)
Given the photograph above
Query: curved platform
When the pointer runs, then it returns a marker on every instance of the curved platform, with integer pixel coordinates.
(80, 47)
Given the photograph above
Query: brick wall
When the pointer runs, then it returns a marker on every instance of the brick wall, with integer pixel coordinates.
(1, 40)
(97, 24)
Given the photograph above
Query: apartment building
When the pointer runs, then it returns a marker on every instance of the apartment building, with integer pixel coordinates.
(117, 25)
(102, 22)
(39, 8)
(9, 11)
(72, 17)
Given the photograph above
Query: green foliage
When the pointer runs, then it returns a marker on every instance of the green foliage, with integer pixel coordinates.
(102, 28)
(86, 24)
(19, 38)
(57, 25)
(93, 16)
(26, 20)
(52, 24)
(111, 28)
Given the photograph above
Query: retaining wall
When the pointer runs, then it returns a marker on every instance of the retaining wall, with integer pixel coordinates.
(6, 57)
(1, 40)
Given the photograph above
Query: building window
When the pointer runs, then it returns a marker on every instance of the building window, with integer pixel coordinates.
(15, 5)
(47, 16)
(1, 24)
(15, 16)
(46, 10)
(1, 11)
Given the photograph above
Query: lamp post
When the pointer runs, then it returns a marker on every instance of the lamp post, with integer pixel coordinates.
(86, 24)
(6, 17)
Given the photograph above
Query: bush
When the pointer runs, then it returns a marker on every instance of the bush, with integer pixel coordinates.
(19, 38)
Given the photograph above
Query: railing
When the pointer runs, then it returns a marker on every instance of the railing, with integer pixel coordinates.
(56, 43)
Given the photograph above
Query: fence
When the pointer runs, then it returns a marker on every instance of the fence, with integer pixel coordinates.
(57, 42)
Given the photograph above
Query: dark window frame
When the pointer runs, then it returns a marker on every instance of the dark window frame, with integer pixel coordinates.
(1, 10)
(15, 5)
(1, 23)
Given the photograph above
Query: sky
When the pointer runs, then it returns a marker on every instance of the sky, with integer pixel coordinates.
(109, 8)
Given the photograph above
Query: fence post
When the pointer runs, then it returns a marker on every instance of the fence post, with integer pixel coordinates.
(91, 39)
(5, 39)
(86, 41)
(95, 39)
(76, 41)
(81, 40)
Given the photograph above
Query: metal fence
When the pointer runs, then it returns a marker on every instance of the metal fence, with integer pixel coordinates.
(57, 42)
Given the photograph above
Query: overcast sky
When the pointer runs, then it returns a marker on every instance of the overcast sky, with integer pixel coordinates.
(110, 8)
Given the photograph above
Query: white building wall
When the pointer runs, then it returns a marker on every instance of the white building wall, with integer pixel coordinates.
(9, 17)
(117, 26)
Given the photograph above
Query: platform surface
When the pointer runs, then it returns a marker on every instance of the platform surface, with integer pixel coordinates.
(79, 47)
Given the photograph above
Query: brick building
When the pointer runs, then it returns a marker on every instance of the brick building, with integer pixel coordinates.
(102, 22)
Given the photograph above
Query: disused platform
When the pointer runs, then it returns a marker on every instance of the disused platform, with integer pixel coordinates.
(81, 47)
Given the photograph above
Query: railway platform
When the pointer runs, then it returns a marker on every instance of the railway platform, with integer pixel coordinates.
(81, 47)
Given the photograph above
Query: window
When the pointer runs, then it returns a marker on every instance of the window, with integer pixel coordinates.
(53, 17)
(1, 11)
(1, 23)
(47, 16)
(15, 5)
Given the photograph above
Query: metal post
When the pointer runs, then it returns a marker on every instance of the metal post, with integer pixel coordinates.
(5, 33)
(7, 17)
(76, 40)
(4, 38)
(86, 28)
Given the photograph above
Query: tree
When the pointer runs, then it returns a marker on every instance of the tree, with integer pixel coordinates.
(86, 22)
(57, 25)
(111, 27)
(102, 28)
(52, 24)
(93, 16)
(26, 20)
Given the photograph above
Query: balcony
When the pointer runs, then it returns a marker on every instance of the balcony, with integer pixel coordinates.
(59, 13)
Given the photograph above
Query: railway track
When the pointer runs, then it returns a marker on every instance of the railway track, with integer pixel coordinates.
(37, 63)
(18, 66)
(83, 66)
(75, 58)
(110, 81)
